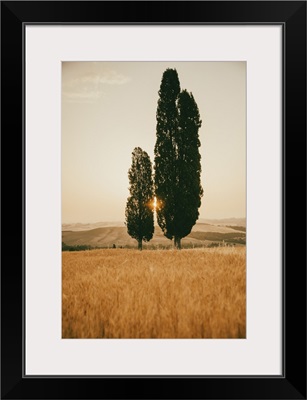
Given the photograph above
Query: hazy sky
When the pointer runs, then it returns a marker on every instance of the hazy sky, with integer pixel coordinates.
(108, 108)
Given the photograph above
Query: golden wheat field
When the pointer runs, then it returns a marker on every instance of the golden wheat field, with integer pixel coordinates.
(120, 293)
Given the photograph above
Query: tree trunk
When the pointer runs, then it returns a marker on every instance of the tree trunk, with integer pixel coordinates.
(140, 247)
(177, 242)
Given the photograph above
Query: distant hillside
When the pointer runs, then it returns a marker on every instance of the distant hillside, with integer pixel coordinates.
(202, 234)
(240, 222)
(225, 221)
(85, 227)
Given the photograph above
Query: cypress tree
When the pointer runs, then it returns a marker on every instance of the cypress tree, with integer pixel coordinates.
(188, 167)
(165, 151)
(139, 207)
(177, 159)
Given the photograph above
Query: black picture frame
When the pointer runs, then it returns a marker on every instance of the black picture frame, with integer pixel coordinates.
(292, 16)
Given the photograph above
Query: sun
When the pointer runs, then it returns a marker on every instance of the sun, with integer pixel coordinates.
(155, 204)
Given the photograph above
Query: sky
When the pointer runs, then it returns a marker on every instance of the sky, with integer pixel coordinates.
(109, 108)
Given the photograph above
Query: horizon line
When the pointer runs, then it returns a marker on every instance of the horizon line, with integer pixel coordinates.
(122, 221)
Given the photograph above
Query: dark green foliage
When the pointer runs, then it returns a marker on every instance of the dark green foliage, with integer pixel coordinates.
(177, 159)
(139, 208)
(188, 165)
(165, 151)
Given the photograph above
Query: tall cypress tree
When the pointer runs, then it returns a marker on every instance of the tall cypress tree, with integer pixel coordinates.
(177, 159)
(139, 208)
(165, 152)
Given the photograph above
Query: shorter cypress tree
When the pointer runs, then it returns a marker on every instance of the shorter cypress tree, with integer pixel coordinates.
(139, 208)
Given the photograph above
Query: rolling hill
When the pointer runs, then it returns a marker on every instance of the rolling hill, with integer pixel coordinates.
(108, 235)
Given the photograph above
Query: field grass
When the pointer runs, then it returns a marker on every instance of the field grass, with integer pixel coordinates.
(120, 293)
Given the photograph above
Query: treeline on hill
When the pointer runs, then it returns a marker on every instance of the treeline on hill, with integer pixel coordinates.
(82, 247)
(78, 247)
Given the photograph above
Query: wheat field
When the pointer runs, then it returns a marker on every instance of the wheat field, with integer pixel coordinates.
(120, 293)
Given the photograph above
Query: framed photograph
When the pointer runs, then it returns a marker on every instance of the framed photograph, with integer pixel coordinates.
(163, 220)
